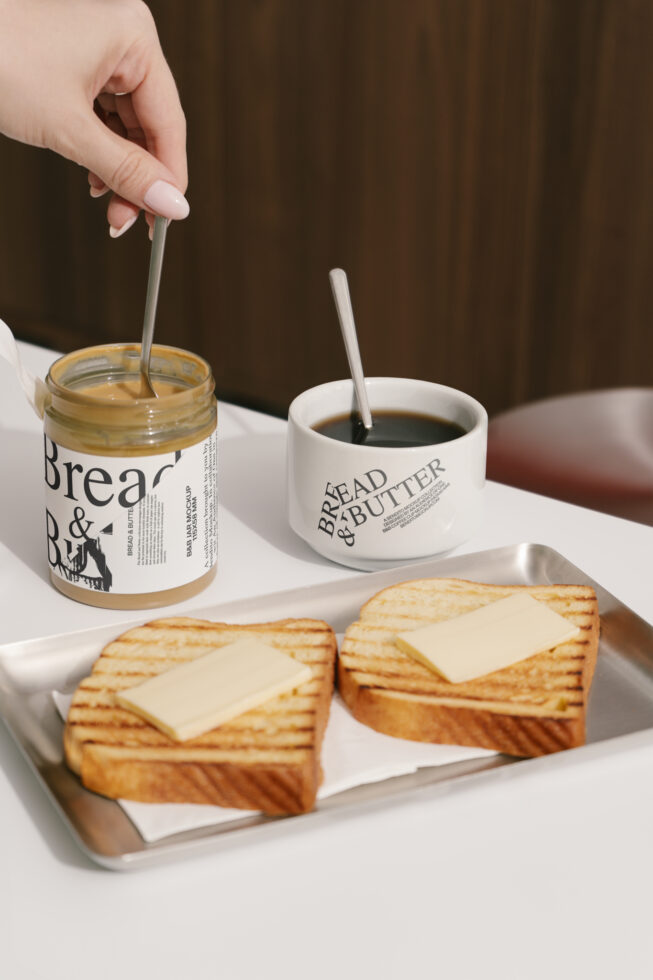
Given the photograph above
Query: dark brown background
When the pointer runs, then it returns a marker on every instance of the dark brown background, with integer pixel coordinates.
(481, 168)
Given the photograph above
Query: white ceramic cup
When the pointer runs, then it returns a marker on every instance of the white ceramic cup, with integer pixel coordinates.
(369, 507)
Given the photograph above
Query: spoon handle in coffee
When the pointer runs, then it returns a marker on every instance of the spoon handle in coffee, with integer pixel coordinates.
(342, 298)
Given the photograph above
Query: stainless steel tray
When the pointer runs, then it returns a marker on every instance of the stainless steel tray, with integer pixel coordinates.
(620, 708)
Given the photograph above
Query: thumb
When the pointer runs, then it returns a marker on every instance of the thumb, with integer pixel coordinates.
(130, 171)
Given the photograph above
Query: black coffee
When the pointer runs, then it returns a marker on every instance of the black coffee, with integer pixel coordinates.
(391, 430)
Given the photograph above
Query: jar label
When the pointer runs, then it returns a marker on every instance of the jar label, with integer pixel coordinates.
(131, 524)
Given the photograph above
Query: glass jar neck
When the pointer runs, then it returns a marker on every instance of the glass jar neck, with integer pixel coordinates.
(81, 408)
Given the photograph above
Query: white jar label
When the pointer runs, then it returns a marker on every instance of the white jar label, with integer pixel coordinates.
(131, 524)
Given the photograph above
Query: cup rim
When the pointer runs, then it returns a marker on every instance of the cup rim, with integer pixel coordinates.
(469, 401)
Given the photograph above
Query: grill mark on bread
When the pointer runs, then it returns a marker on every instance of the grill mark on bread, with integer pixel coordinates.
(131, 642)
(374, 680)
(180, 752)
(181, 622)
(253, 719)
(280, 710)
(430, 685)
(150, 737)
(482, 702)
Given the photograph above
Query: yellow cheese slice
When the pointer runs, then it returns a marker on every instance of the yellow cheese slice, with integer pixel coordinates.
(195, 697)
(487, 639)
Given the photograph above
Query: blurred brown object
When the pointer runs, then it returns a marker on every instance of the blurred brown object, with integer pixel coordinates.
(481, 170)
(592, 448)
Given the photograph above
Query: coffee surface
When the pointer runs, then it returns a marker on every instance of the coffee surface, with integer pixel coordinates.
(391, 429)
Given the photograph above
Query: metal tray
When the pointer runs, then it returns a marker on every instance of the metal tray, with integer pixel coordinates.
(620, 708)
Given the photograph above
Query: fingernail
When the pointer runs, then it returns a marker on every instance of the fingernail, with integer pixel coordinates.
(164, 199)
(98, 191)
(117, 232)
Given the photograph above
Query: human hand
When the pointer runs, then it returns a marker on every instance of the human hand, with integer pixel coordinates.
(88, 79)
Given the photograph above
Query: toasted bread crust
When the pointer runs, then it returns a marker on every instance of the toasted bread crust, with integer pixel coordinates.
(266, 759)
(533, 708)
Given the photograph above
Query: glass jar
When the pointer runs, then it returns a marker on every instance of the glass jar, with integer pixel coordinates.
(131, 481)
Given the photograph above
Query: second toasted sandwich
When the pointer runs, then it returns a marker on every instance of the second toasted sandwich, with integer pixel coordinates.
(533, 707)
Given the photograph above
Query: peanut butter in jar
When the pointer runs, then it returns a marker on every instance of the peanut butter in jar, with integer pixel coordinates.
(131, 481)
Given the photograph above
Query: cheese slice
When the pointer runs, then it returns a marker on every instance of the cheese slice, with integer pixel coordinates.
(195, 697)
(487, 639)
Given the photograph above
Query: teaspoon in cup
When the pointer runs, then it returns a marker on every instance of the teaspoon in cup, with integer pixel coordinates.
(153, 281)
(342, 299)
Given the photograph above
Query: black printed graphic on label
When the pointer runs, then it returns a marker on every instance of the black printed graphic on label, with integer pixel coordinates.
(349, 505)
(85, 562)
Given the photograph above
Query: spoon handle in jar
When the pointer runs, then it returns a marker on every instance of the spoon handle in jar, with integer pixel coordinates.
(151, 299)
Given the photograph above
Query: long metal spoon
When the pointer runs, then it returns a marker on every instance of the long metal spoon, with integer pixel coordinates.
(153, 281)
(340, 288)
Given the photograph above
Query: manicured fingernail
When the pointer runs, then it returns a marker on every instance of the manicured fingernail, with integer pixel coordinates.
(164, 199)
(98, 191)
(117, 232)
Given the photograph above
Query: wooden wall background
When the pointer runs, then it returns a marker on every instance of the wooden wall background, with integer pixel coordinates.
(481, 168)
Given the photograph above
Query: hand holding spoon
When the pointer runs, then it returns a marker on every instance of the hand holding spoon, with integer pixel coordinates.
(154, 279)
(342, 299)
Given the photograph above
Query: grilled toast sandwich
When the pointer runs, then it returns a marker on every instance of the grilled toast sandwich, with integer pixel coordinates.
(534, 707)
(267, 758)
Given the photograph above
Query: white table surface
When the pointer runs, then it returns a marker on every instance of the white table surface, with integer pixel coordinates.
(548, 874)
